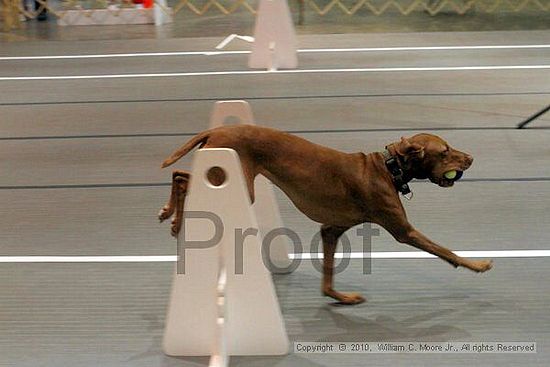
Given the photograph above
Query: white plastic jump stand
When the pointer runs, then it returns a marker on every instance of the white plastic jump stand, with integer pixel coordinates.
(274, 44)
(265, 204)
(215, 308)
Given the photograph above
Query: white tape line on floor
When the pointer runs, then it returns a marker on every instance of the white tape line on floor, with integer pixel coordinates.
(304, 256)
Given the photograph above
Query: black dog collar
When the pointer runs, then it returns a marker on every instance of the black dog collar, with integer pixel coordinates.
(397, 173)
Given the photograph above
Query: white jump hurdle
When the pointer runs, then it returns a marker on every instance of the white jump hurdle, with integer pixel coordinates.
(214, 310)
(274, 44)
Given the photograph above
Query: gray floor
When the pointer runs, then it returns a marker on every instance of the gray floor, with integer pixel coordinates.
(80, 162)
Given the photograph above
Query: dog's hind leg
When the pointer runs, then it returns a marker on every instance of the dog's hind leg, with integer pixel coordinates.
(180, 182)
(168, 210)
(330, 235)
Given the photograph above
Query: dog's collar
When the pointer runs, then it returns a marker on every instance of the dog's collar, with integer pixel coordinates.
(398, 176)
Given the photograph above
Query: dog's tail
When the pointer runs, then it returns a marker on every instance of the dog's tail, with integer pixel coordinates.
(200, 138)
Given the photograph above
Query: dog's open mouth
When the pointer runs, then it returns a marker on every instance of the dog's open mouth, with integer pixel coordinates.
(449, 178)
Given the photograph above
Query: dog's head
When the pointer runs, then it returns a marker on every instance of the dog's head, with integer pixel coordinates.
(428, 156)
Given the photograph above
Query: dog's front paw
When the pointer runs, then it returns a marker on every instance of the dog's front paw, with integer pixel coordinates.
(480, 266)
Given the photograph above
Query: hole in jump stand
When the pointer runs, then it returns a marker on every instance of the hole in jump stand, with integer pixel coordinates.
(216, 176)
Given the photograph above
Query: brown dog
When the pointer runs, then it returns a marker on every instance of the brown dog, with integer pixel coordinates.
(338, 190)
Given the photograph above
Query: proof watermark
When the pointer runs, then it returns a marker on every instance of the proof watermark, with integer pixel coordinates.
(363, 233)
(415, 347)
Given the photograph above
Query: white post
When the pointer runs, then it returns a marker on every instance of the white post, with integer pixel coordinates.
(274, 44)
(251, 322)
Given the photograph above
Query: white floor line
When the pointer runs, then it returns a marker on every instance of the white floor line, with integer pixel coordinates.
(109, 56)
(303, 256)
(310, 50)
(280, 72)
(425, 255)
(424, 48)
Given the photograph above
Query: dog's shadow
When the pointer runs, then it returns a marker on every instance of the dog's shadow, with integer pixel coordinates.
(431, 318)
(351, 328)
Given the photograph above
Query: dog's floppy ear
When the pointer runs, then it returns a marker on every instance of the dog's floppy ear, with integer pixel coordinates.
(409, 150)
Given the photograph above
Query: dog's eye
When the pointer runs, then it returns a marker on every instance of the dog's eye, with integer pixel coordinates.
(445, 151)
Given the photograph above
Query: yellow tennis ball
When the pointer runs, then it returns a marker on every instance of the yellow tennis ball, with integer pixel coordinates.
(450, 175)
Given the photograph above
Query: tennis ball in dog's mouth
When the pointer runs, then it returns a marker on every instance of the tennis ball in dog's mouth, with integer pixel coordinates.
(450, 175)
